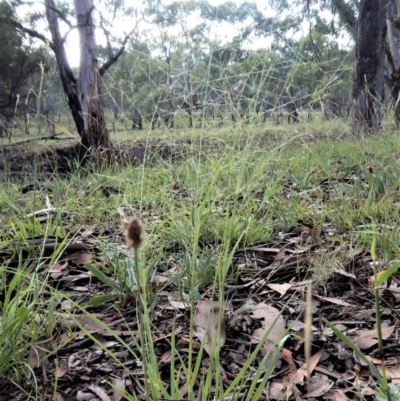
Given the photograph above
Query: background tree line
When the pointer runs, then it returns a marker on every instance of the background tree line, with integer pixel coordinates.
(175, 62)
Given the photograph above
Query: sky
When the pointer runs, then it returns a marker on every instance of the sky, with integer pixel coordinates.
(225, 31)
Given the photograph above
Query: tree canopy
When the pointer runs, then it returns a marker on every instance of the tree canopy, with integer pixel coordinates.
(19, 62)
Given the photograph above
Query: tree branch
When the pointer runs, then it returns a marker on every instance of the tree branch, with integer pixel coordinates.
(32, 33)
(107, 35)
(346, 15)
(60, 14)
(116, 56)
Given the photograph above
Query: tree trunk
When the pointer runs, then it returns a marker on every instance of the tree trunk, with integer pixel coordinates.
(368, 74)
(95, 133)
(392, 79)
(190, 98)
(67, 77)
(82, 94)
(293, 115)
(26, 123)
(169, 117)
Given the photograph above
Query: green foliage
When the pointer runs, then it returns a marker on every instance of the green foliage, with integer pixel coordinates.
(179, 64)
(18, 62)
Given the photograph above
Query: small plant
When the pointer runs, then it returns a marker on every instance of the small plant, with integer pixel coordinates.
(134, 240)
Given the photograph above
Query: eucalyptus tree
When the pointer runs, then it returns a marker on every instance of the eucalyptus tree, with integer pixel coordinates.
(180, 46)
(377, 58)
(375, 27)
(197, 67)
(19, 62)
(321, 75)
(135, 75)
(82, 92)
(368, 78)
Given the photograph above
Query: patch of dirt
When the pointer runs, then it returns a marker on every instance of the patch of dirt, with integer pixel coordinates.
(22, 160)
(28, 159)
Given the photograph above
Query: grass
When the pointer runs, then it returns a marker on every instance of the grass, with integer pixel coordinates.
(121, 130)
(197, 212)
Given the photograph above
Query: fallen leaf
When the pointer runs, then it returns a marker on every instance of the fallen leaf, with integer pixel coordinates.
(85, 396)
(336, 301)
(178, 304)
(67, 304)
(38, 351)
(375, 361)
(89, 324)
(166, 356)
(297, 377)
(82, 258)
(392, 373)
(277, 390)
(319, 385)
(371, 279)
(263, 249)
(79, 288)
(208, 324)
(118, 388)
(57, 269)
(333, 373)
(336, 395)
(62, 369)
(395, 290)
(99, 392)
(281, 288)
(288, 358)
(184, 389)
(368, 338)
(161, 279)
(276, 328)
(343, 272)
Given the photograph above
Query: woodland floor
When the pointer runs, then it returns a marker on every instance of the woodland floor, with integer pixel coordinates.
(273, 277)
(19, 160)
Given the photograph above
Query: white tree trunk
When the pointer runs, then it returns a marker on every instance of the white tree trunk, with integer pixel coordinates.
(89, 80)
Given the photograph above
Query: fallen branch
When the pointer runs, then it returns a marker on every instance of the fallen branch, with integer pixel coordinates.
(42, 138)
(48, 245)
(229, 289)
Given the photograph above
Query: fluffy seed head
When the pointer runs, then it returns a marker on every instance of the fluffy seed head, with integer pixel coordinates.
(134, 232)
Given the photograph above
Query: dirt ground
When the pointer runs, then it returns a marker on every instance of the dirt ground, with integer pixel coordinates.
(20, 160)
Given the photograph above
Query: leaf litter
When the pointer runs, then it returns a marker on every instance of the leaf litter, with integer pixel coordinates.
(209, 326)
(88, 357)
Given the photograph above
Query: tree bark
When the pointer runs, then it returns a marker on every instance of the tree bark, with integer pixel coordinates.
(82, 94)
(67, 77)
(96, 134)
(190, 98)
(368, 74)
(392, 79)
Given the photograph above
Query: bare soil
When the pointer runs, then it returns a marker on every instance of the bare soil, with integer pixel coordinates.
(28, 160)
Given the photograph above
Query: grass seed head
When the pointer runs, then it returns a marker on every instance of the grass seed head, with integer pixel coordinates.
(134, 232)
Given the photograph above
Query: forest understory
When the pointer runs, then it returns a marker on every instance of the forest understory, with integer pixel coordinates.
(259, 273)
